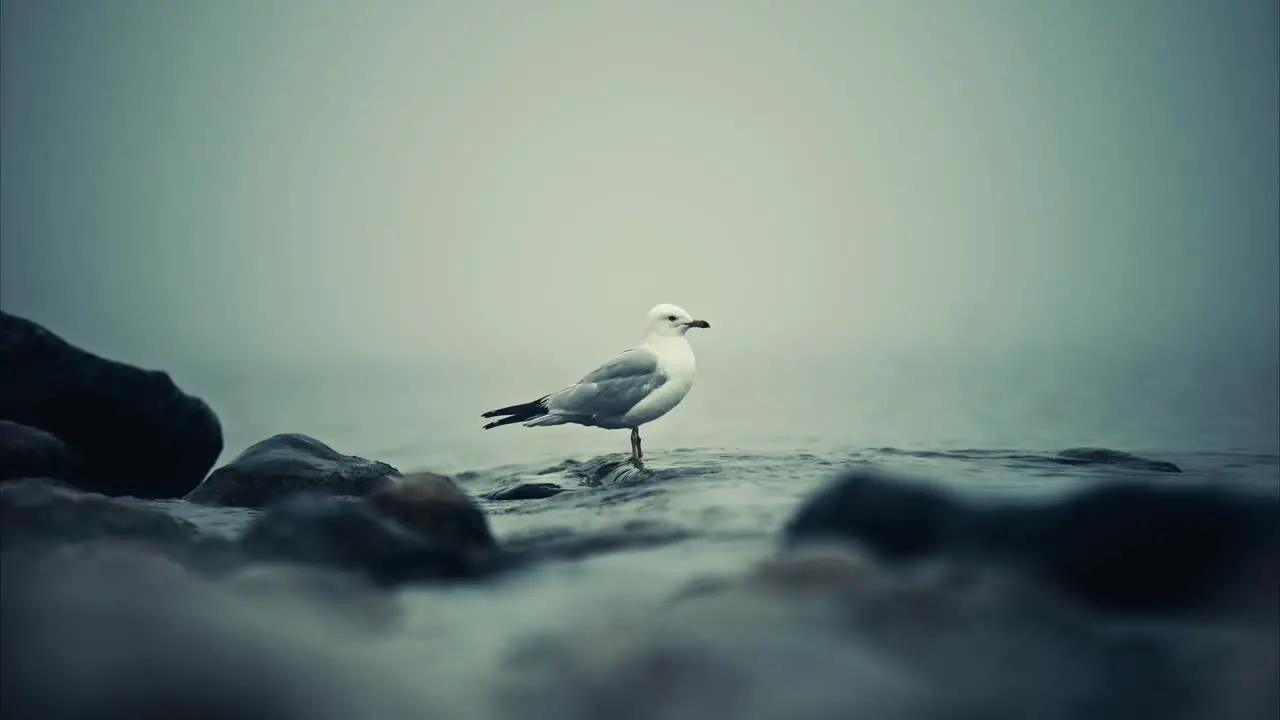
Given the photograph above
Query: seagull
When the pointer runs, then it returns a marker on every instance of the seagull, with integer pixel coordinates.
(636, 387)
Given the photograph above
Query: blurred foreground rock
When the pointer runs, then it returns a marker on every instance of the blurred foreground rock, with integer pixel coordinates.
(1119, 547)
(43, 511)
(134, 430)
(286, 464)
(349, 534)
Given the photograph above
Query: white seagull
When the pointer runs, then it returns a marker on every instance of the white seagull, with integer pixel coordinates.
(637, 386)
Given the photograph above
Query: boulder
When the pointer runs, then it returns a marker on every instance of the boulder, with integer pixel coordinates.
(136, 432)
(437, 510)
(1122, 547)
(34, 511)
(348, 533)
(286, 464)
(29, 452)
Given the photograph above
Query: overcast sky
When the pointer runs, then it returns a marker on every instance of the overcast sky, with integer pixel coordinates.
(269, 179)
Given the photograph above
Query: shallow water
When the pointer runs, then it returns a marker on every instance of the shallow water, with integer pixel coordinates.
(714, 504)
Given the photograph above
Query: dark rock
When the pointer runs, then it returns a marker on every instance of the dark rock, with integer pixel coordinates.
(437, 510)
(1122, 547)
(348, 533)
(1103, 456)
(27, 452)
(525, 491)
(1140, 547)
(603, 471)
(283, 465)
(34, 511)
(136, 432)
(897, 519)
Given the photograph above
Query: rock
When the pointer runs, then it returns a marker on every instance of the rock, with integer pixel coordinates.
(602, 471)
(1103, 456)
(895, 518)
(136, 432)
(525, 491)
(27, 452)
(348, 533)
(1123, 547)
(283, 465)
(437, 510)
(35, 511)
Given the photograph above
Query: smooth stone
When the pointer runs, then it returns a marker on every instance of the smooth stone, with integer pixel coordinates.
(1104, 456)
(290, 463)
(525, 491)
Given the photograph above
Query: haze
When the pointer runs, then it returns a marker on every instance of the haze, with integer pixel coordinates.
(515, 184)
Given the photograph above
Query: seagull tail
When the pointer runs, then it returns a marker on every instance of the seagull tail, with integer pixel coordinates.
(518, 413)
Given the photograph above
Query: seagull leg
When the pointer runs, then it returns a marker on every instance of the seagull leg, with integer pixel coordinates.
(635, 449)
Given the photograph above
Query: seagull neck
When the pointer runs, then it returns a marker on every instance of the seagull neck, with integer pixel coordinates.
(657, 340)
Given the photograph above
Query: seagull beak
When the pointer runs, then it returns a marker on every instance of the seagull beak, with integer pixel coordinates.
(698, 324)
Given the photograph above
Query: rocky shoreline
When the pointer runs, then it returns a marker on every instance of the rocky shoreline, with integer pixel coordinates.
(886, 596)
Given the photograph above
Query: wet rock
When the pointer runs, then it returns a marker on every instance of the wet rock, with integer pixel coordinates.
(437, 510)
(348, 533)
(33, 511)
(285, 464)
(602, 471)
(136, 432)
(1103, 456)
(1121, 547)
(29, 452)
(525, 491)
(896, 518)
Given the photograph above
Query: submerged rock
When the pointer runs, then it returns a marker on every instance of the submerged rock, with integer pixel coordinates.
(1122, 547)
(1103, 456)
(348, 533)
(285, 464)
(136, 432)
(525, 491)
(36, 511)
(27, 452)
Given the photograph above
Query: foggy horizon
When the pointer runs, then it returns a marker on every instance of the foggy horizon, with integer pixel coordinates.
(252, 183)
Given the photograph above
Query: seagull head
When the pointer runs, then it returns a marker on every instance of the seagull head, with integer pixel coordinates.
(668, 320)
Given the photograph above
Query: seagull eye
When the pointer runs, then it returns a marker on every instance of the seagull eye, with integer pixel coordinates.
(672, 318)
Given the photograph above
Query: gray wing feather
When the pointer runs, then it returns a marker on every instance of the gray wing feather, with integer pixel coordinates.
(612, 389)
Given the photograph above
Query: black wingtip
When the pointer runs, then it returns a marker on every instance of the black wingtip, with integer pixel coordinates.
(517, 413)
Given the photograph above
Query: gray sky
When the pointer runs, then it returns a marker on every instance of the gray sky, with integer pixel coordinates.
(278, 180)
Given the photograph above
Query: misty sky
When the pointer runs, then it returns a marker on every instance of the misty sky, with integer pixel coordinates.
(274, 180)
